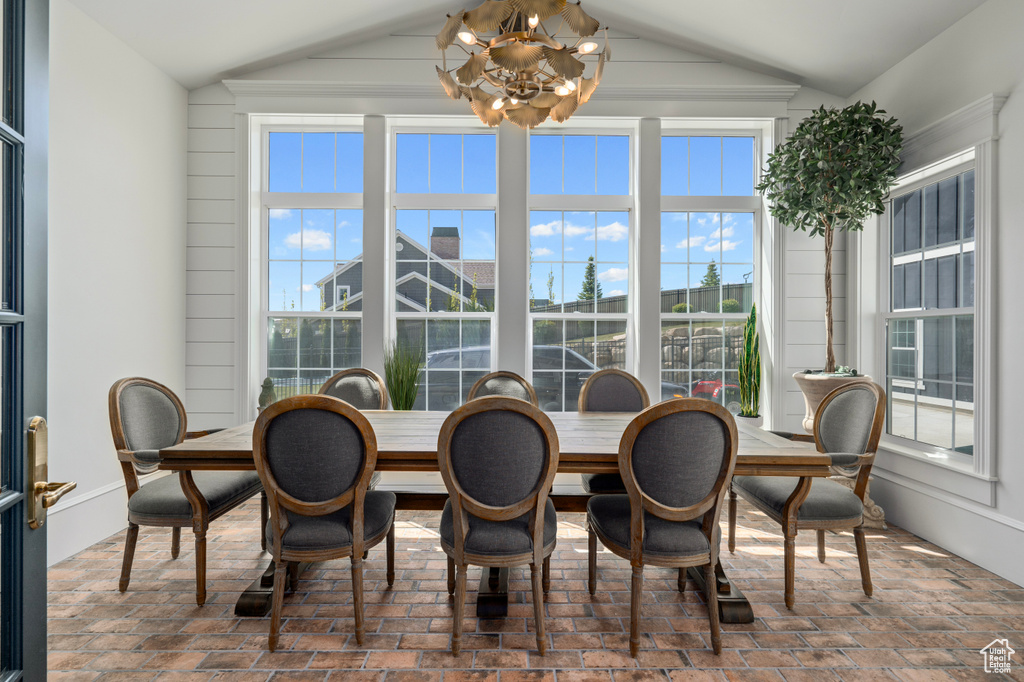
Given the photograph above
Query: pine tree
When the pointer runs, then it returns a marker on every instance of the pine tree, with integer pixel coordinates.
(591, 287)
(711, 278)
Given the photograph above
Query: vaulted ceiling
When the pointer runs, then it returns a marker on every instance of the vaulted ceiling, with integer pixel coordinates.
(832, 45)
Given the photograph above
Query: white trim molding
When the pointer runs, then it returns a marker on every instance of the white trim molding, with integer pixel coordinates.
(967, 127)
(678, 93)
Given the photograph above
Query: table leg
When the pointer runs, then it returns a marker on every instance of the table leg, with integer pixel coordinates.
(255, 601)
(733, 607)
(492, 595)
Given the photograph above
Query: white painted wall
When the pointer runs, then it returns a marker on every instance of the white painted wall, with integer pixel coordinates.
(116, 258)
(980, 55)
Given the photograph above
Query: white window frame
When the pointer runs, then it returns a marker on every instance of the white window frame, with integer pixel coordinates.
(440, 202)
(720, 204)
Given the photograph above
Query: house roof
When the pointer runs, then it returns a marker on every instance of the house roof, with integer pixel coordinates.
(836, 46)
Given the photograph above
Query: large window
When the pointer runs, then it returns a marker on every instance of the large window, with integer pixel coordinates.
(580, 235)
(708, 230)
(444, 258)
(313, 252)
(930, 320)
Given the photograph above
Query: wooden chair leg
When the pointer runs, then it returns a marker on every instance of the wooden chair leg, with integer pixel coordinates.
(821, 546)
(293, 575)
(264, 516)
(862, 557)
(681, 580)
(546, 576)
(357, 596)
(129, 555)
(712, 601)
(732, 520)
(591, 561)
(451, 576)
(277, 602)
(538, 607)
(200, 567)
(790, 568)
(459, 607)
(636, 599)
(391, 555)
(175, 541)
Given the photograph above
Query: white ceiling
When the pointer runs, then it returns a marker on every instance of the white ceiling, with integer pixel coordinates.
(833, 45)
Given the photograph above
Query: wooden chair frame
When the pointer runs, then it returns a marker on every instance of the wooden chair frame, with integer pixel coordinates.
(503, 375)
(534, 503)
(708, 510)
(201, 515)
(355, 495)
(594, 378)
(358, 371)
(789, 518)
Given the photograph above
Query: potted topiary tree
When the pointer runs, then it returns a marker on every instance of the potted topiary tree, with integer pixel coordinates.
(831, 174)
(750, 369)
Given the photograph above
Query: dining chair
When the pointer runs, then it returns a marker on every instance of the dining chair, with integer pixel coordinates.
(676, 460)
(315, 455)
(361, 388)
(146, 416)
(508, 384)
(847, 426)
(498, 456)
(610, 390)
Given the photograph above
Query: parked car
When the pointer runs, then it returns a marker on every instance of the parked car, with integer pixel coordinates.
(723, 394)
(552, 365)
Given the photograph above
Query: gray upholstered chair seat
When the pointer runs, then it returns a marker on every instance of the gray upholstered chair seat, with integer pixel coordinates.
(603, 484)
(610, 516)
(499, 538)
(827, 501)
(164, 498)
(334, 531)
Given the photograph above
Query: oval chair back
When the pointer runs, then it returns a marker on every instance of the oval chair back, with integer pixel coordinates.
(849, 421)
(612, 390)
(361, 388)
(508, 384)
(145, 416)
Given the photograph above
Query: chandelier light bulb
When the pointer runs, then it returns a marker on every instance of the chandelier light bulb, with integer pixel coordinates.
(498, 103)
(585, 48)
(513, 100)
(571, 86)
(534, 20)
(469, 38)
(562, 91)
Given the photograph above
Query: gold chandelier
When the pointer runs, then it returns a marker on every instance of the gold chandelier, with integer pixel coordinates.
(516, 68)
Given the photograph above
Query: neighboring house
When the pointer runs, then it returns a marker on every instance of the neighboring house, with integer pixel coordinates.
(431, 279)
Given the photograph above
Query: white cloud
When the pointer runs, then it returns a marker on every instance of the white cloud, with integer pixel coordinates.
(568, 248)
(313, 240)
(308, 287)
(614, 275)
(663, 249)
(578, 231)
(723, 232)
(546, 229)
(704, 220)
(616, 292)
(343, 223)
(542, 252)
(726, 244)
(692, 241)
(728, 219)
(612, 233)
(280, 213)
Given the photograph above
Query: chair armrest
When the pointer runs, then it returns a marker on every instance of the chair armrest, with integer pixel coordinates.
(126, 456)
(845, 459)
(199, 434)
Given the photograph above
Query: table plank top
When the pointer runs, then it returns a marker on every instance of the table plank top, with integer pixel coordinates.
(588, 442)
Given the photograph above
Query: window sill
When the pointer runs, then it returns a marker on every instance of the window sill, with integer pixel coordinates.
(914, 467)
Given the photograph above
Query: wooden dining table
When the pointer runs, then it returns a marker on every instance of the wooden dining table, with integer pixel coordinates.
(407, 442)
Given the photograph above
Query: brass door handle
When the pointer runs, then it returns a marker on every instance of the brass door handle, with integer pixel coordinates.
(41, 493)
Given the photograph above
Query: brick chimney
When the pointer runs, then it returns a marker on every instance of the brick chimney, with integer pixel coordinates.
(444, 243)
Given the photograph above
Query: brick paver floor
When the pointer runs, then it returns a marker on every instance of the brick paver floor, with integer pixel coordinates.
(930, 615)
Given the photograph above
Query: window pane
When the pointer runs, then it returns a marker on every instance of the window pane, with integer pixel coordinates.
(738, 166)
(899, 220)
(316, 277)
(284, 290)
(546, 235)
(318, 234)
(479, 164)
(967, 279)
(967, 205)
(705, 166)
(912, 234)
(545, 164)
(285, 162)
(348, 227)
(675, 165)
(912, 285)
(318, 162)
(578, 235)
(612, 236)
(947, 210)
(938, 349)
(282, 343)
(930, 214)
(613, 164)
(350, 162)
(580, 166)
(445, 164)
(412, 170)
